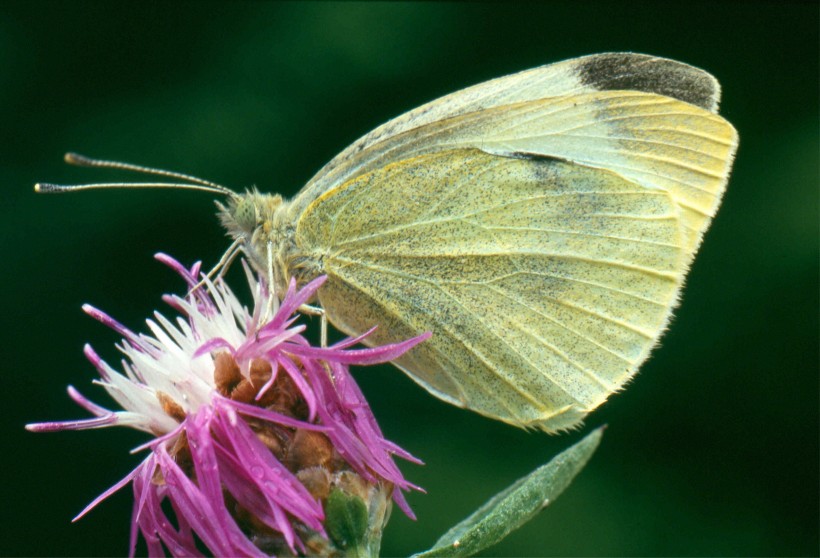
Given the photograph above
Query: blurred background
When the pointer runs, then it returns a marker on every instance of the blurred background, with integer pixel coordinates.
(712, 450)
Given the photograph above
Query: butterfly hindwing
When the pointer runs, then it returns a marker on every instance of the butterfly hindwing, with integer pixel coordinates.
(546, 283)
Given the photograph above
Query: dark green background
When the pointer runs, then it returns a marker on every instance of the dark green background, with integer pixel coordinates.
(713, 449)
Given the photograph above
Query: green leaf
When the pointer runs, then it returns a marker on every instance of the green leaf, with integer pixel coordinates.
(511, 508)
(345, 519)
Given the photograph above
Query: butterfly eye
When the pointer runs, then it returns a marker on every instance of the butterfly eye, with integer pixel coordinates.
(246, 215)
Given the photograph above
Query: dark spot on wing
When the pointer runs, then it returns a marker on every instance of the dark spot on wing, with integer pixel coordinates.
(639, 72)
(545, 167)
(536, 157)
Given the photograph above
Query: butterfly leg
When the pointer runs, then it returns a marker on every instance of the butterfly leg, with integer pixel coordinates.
(221, 266)
(317, 311)
(272, 297)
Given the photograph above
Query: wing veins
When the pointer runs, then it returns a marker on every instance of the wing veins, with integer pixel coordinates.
(578, 334)
(492, 208)
(341, 211)
(615, 166)
(531, 364)
(645, 270)
(454, 335)
(637, 140)
(393, 271)
(575, 233)
(454, 188)
(610, 166)
(570, 279)
(591, 107)
(488, 329)
(603, 317)
(390, 312)
(554, 131)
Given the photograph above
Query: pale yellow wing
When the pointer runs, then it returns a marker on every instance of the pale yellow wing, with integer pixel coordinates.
(619, 71)
(545, 283)
(655, 141)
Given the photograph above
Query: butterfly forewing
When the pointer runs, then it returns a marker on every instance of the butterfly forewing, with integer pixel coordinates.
(616, 71)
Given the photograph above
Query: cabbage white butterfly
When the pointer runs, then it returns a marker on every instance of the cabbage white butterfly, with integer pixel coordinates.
(540, 224)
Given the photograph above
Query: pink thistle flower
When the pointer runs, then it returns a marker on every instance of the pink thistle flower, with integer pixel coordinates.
(255, 429)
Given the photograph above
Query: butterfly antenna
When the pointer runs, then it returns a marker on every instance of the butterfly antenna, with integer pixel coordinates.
(189, 182)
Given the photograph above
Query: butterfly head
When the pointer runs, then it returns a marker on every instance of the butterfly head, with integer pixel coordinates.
(252, 218)
(257, 222)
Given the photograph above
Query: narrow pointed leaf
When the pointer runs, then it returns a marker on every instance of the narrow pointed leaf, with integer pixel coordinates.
(517, 504)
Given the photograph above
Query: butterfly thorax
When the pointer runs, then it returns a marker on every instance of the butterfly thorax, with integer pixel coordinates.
(259, 221)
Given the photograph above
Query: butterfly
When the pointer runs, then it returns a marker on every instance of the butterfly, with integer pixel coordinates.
(540, 224)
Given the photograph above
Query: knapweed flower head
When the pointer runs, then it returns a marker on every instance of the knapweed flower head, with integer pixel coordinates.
(259, 437)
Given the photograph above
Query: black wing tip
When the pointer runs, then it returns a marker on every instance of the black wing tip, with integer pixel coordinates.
(650, 74)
